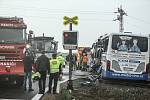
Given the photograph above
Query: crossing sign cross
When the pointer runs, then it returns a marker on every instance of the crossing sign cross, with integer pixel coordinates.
(73, 20)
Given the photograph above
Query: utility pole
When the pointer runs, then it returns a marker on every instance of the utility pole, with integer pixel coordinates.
(43, 42)
(120, 18)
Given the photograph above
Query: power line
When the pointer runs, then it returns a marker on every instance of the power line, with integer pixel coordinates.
(141, 20)
(136, 26)
(60, 10)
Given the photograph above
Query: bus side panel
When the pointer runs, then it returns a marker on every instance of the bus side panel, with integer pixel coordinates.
(114, 75)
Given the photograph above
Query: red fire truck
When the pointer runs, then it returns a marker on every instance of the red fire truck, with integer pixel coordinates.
(12, 47)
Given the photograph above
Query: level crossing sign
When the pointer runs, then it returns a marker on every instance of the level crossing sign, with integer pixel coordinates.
(73, 20)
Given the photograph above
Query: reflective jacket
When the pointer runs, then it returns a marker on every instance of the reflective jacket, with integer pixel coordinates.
(61, 59)
(36, 76)
(54, 65)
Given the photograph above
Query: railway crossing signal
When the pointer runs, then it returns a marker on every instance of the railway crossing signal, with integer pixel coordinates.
(73, 20)
(70, 42)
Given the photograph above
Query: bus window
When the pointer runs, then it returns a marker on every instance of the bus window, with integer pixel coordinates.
(129, 43)
(105, 44)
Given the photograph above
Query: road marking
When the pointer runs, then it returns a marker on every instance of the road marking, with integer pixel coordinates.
(38, 96)
(66, 78)
(11, 99)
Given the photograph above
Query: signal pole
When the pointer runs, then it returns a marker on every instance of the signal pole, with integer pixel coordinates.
(70, 21)
(120, 18)
(70, 83)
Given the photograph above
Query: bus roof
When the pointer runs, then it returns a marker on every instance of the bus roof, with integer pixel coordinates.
(129, 34)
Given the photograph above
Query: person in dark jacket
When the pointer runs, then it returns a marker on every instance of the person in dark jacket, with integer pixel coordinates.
(42, 66)
(28, 62)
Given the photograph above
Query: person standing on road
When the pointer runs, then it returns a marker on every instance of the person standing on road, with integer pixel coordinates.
(74, 61)
(42, 66)
(84, 62)
(28, 61)
(55, 70)
(61, 60)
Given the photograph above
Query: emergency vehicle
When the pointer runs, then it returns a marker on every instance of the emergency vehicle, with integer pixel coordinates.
(12, 46)
(43, 43)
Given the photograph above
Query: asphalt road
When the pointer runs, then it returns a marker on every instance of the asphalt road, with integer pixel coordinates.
(12, 91)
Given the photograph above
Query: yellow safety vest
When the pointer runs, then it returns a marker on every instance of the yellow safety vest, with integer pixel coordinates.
(36, 76)
(54, 65)
(61, 59)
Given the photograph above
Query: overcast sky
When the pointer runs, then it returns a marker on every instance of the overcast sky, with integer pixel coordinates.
(95, 16)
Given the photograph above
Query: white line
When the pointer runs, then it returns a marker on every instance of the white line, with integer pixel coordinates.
(38, 96)
(11, 99)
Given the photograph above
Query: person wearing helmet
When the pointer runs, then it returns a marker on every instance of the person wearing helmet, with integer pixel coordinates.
(55, 70)
(42, 66)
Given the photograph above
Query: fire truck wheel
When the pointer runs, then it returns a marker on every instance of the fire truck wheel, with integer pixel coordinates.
(19, 81)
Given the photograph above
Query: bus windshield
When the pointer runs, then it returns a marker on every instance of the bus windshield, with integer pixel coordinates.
(12, 35)
(129, 43)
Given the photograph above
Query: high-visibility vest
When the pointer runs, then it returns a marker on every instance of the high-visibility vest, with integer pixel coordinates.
(54, 65)
(61, 59)
(36, 76)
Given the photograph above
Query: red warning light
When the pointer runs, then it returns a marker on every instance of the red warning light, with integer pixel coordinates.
(66, 35)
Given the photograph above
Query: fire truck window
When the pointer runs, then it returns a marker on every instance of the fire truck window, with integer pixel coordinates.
(11, 35)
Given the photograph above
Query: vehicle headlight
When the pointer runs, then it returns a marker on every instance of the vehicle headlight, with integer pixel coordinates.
(115, 65)
(28, 46)
(141, 67)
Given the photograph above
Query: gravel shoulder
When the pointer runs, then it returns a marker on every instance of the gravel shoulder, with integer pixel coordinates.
(100, 91)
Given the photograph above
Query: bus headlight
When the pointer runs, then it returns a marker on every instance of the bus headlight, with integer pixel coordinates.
(115, 65)
(141, 67)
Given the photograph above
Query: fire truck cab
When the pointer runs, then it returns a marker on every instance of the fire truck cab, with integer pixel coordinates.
(12, 47)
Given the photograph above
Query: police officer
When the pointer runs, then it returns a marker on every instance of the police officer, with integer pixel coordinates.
(42, 66)
(55, 70)
(61, 59)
